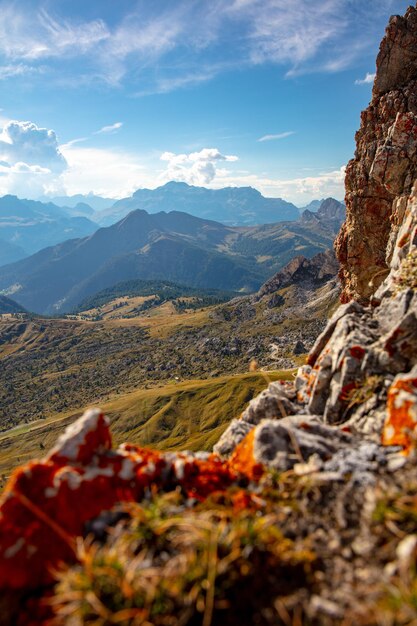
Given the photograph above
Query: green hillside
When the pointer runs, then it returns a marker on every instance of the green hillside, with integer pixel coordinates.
(189, 415)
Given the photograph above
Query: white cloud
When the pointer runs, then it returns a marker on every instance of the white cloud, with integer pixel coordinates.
(31, 162)
(195, 168)
(109, 129)
(72, 143)
(22, 168)
(36, 35)
(279, 136)
(166, 85)
(8, 71)
(28, 181)
(26, 142)
(369, 78)
(287, 32)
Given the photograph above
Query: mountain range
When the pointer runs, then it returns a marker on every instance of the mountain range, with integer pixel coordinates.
(27, 226)
(95, 203)
(172, 246)
(233, 206)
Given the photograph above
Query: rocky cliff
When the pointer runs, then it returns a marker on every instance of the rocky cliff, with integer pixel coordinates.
(306, 512)
(380, 177)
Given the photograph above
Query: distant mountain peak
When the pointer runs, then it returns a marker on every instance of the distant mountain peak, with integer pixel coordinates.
(232, 206)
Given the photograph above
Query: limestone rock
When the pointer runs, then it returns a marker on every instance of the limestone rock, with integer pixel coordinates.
(281, 444)
(233, 435)
(274, 402)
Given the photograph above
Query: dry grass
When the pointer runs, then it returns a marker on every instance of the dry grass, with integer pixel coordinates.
(211, 565)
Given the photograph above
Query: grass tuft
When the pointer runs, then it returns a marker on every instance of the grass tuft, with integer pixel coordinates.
(215, 564)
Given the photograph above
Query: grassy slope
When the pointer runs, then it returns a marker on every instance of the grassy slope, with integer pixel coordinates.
(187, 415)
(56, 366)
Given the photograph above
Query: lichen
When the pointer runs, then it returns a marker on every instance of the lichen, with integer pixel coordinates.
(407, 274)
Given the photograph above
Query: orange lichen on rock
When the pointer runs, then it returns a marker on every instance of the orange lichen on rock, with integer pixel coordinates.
(47, 503)
(401, 422)
(243, 460)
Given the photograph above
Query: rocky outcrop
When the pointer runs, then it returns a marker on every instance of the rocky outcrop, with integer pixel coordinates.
(47, 503)
(380, 177)
(330, 215)
(360, 377)
(361, 372)
(302, 271)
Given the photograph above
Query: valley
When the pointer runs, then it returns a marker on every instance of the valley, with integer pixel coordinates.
(157, 336)
(173, 246)
(169, 321)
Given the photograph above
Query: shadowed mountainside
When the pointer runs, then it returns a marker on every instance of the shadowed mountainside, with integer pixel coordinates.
(170, 246)
(9, 306)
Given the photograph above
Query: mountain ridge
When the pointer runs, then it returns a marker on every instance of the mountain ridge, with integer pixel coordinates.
(32, 225)
(233, 206)
(7, 305)
(175, 246)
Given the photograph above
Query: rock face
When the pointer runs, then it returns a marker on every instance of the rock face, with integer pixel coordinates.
(380, 177)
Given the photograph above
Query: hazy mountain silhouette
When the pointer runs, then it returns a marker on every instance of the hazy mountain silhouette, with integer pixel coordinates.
(32, 225)
(235, 206)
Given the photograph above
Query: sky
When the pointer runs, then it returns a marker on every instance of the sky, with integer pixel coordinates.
(107, 96)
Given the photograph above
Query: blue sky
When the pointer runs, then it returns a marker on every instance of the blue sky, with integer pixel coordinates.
(106, 97)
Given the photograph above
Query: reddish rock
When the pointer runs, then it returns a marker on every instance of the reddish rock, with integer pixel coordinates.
(358, 352)
(47, 503)
(380, 177)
